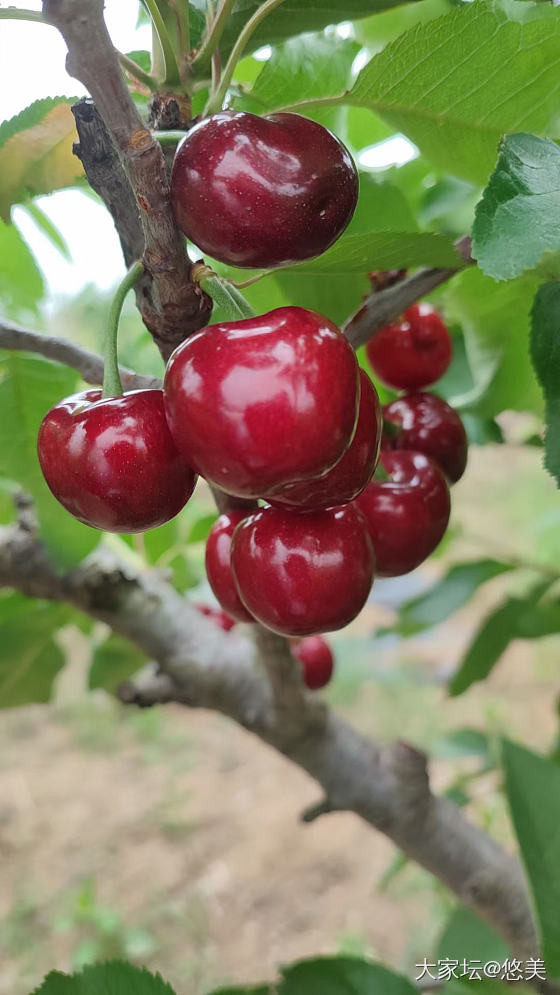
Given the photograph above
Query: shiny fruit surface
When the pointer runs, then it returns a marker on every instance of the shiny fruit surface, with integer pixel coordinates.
(112, 462)
(262, 191)
(218, 565)
(316, 659)
(259, 403)
(411, 353)
(427, 424)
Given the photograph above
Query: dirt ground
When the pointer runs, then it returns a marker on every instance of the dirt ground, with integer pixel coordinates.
(172, 837)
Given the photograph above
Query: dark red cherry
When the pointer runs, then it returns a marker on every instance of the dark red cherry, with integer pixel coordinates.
(218, 565)
(216, 615)
(262, 191)
(427, 424)
(112, 462)
(316, 659)
(305, 572)
(413, 352)
(351, 474)
(406, 515)
(262, 402)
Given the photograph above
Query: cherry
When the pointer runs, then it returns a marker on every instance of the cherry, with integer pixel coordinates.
(406, 515)
(427, 424)
(112, 462)
(351, 474)
(218, 565)
(316, 659)
(216, 615)
(262, 191)
(259, 403)
(411, 353)
(303, 573)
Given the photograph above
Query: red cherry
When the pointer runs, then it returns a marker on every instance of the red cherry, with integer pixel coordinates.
(112, 462)
(221, 619)
(351, 474)
(406, 515)
(262, 402)
(218, 565)
(413, 352)
(262, 191)
(303, 573)
(427, 424)
(316, 658)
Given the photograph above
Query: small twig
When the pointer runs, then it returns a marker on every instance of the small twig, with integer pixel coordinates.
(87, 363)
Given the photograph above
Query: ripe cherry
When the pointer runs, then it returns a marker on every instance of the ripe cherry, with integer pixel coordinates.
(306, 572)
(259, 403)
(411, 353)
(406, 515)
(351, 474)
(262, 191)
(112, 462)
(216, 615)
(316, 659)
(427, 424)
(218, 565)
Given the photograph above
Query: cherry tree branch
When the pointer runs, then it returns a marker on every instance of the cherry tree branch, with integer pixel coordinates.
(200, 666)
(176, 306)
(88, 364)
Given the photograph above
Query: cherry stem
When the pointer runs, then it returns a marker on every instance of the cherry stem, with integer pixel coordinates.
(215, 101)
(18, 14)
(112, 385)
(134, 69)
(169, 137)
(215, 32)
(232, 302)
(172, 77)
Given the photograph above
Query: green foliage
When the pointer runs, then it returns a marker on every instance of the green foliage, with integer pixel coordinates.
(114, 661)
(112, 978)
(515, 224)
(467, 937)
(30, 386)
(29, 657)
(341, 976)
(545, 353)
(455, 84)
(533, 792)
(21, 282)
(450, 594)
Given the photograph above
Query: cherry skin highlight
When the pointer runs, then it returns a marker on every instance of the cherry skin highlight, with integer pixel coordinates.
(316, 659)
(427, 424)
(112, 462)
(352, 473)
(406, 515)
(411, 353)
(305, 572)
(218, 565)
(259, 403)
(216, 615)
(262, 191)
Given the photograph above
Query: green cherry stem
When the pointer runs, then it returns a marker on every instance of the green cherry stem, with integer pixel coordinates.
(18, 14)
(170, 62)
(224, 294)
(112, 385)
(216, 99)
(134, 69)
(169, 137)
(214, 34)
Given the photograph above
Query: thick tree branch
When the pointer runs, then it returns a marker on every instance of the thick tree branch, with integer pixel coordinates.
(174, 306)
(383, 306)
(87, 363)
(201, 666)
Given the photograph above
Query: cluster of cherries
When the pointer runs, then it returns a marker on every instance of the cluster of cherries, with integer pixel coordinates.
(274, 408)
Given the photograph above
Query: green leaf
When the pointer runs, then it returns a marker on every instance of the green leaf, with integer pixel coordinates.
(515, 223)
(342, 976)
(49, 229)
(495, 319)
(21, 282)
(533, 792)
(467, 937)
(112, 978)
(376, 249)
(545, 353)
(463, 743)
(492, 638)
(258, 990)
(30, 386)
(447, 596)
(302, 68)
(382, 207)
(114, 661)
(29, 657)
(201, 528)
(456, 84)
(36, 152)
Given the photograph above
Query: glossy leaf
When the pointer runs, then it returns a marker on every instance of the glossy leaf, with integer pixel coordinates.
(456, 84)
(302, 68)
(377, 249)
(545, 353)
(36, 152)
(533, 792)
